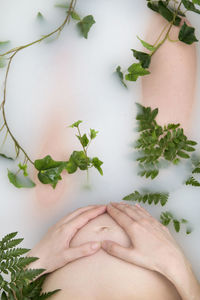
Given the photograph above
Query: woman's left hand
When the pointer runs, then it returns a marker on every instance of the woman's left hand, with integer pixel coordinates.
(54, 251)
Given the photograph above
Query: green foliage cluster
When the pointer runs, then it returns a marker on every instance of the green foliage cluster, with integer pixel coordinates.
(84, 24)
(167, 217)
(148, 197)
(49, 170)
(171, 11)
(17, 282)
(196, 170)
(157, 143)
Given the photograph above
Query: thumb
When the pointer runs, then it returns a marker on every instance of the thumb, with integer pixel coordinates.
(117, 250)
(82, 250)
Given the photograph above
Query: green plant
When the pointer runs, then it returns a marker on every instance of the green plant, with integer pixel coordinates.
(17, 282)
(171, 10)
(148, 197)
(159, 143)
(167, 217)
(196, 170)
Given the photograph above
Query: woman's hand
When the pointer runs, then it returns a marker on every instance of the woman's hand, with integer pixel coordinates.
(53, 250)
(153, 248)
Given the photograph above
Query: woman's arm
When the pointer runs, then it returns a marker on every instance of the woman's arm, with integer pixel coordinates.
(154, 248)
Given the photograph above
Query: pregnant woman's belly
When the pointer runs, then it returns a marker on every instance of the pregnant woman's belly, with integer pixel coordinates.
(104, 277)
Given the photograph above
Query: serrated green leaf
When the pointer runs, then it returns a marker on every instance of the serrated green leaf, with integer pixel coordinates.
(76, 124)
(136, 70)
(85, 25)
(187, 35)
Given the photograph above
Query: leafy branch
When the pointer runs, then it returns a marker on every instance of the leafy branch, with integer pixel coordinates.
(49, 170)
(171, 11)
(148, 197)
(167, 217)
(196, 170)
(159, 143)
(20, 283)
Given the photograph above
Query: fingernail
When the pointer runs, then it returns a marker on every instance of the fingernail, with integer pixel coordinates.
(95, 246)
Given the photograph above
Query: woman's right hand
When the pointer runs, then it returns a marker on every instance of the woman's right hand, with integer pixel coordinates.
(153, 248)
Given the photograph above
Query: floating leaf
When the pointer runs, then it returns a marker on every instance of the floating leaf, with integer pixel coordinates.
(97, 164)
(19, 182)
(144, 58)
(136, 70)
(147, 45)
(176, 225)
(121, 76)
(76, 124)
(85, 24)
(186, 34)
(190, 6)
(93, 134)
(196, 2)
(192, 181)
(5, 156)
(75, 16)
(62, 5)
(40, 16)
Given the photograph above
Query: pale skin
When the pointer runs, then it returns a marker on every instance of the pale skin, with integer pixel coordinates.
(162, 255)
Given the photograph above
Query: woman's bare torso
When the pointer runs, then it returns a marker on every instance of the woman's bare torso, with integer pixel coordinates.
(103, 277)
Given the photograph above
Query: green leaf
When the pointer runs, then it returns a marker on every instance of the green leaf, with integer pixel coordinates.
(62, 5)
(190, 6)
(196, 2)
(71, 166)
(85, 24)
(97, 164)
(75, 16)
(5, 156)
(176, 225)
(3, 296)
(80, 160)
(40, 16)
(186, 34)
(93, 134)
(147, 45)
(136, 70)
(19, 182)
(121, 76)
(24, 169)
(76, 124)
(83, 140)
(196, 170)
(192, 181)
(183, 154)
(49, 170)
(144, 58)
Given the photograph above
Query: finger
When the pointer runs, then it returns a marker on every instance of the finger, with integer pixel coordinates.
(76, 223)
(121, 218)
(143, 209)
(132, 211)
(117, 250)
(81, 251)
(75, 213)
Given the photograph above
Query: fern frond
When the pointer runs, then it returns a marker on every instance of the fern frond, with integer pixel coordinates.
(148, 197)
(192, 181)
(167, 217)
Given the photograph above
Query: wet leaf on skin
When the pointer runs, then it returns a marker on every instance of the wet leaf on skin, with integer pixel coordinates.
(147, 45)
(5, 156)
(190, 6)
(136, 70)
(121, 76)
(187, 35)
(49, 170)
(19, 181)
(144, 58)
(97, 164)
(85, 25)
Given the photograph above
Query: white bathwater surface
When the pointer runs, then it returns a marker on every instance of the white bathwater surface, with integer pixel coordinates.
(75, 76)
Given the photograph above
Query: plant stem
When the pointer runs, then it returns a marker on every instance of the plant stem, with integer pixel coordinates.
(15, 51)
(168, 31)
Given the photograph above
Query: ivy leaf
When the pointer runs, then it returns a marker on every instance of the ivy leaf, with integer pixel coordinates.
(23, 168)
(49, 170)
(186, 34)
(93, 134)
(97, 164)
(144, 58)
(176, 225)
(75, 16)
(147, 45)
(190, 6)
(121, 76)
(83, 140)
(18, 182)
(5, 156)
(80, 160)
(85, 24)
(136, 70)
